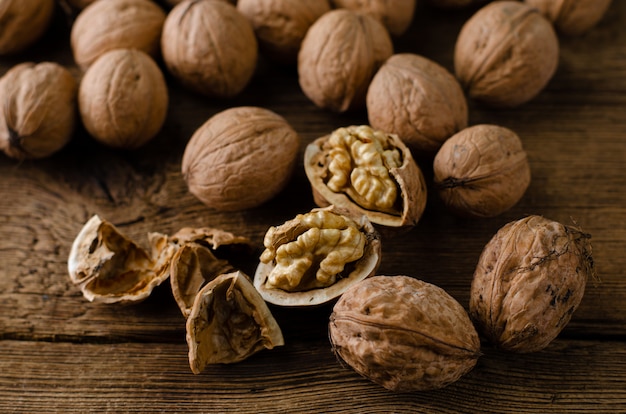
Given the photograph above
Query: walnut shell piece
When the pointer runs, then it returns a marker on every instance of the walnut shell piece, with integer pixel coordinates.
(395, 15)
(482, 171)
(572, 17)
(240, 158)
(123, 99)
(368, 172)
(314, 257)
(22, 23)
(338, 57)
(403, 333)
(529, 280)
(417, 99)
(37, 110)
(209, 47)
(116, 24)
(229, 322)
(506, 54)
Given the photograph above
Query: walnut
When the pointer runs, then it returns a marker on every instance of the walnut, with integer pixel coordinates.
(368, 172)
(395, 15)
(37, 110)
(338, 57)
(315, 257)
(403, 333)
(209, 47)
(280, 25)
(123, 98)
(115, 24)
(481, 171)
(418, 100)
(505, 54)
(23, 23)
(240, 158)
(572, 17)
(529, 280)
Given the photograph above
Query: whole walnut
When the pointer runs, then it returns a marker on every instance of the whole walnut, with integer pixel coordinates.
(123, 98)
(37, 109)
(403, 333)
(418, 100)
(572, 17)
(115, 24)
(280, 25)
(209, 47)
(395, 15)
(506, 54)
(339, 55)
(481, 171)
(528, 282)
(22, 23)
(240, 158)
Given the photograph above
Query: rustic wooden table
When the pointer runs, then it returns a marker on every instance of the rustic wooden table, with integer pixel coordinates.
(60, 353)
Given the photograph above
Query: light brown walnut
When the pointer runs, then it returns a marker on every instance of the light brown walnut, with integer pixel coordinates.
(22, 23)
(572, 17)
(395, 15)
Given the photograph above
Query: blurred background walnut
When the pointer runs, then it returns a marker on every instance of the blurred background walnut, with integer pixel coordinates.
(395, 15)
(22, 23)
(572, 17)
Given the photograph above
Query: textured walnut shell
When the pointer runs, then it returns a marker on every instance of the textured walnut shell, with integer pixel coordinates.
(209, 47)
(529, 280)
(22, 23)
(37, 109)
(506, 54)
(572, 17)
(115, 24)
(123, 98)
(229, 322)
(481, 171)
(408, 177)
(403, 333)
(395, 15)
(418, 100)
(331, 77)
(240, 158)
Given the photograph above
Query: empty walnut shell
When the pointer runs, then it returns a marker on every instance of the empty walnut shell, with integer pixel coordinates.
(505, 54)
(22, 23)
(529, 280)
(314, 257)
(572, 17)
(229, 322)
(368, 172)
(395, 15)
(403, 333)
(481, 171)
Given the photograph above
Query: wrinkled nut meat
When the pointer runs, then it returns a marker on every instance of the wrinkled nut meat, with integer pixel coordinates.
(368, 172)
(418, 100)
(403, 333)
(395, 15)
(115, 24)
(331, 77)
(315, 257)
(481, 171)
(505, 54)
(572, 17)
(529, 280)
(22, 23)
(37, 110)
(229, 322)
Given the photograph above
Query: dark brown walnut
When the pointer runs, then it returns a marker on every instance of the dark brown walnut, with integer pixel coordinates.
(123, 98)
(209, 47)
(240, 158)
(456, 4)
(22, 23)
(114, 24)
(506, 54)
(229, 322)
(418, 100)
(403, 333)
(338, 57)
(368, 172)
(314, 257)
(529, 280)
(482, 171)
(280, 25)
(395, 15)
(572, 17)
(37, 110)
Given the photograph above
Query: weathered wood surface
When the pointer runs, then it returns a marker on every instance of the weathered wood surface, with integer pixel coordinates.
(59, 353)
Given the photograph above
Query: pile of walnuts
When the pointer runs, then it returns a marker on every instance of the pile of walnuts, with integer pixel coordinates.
(400, 332)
